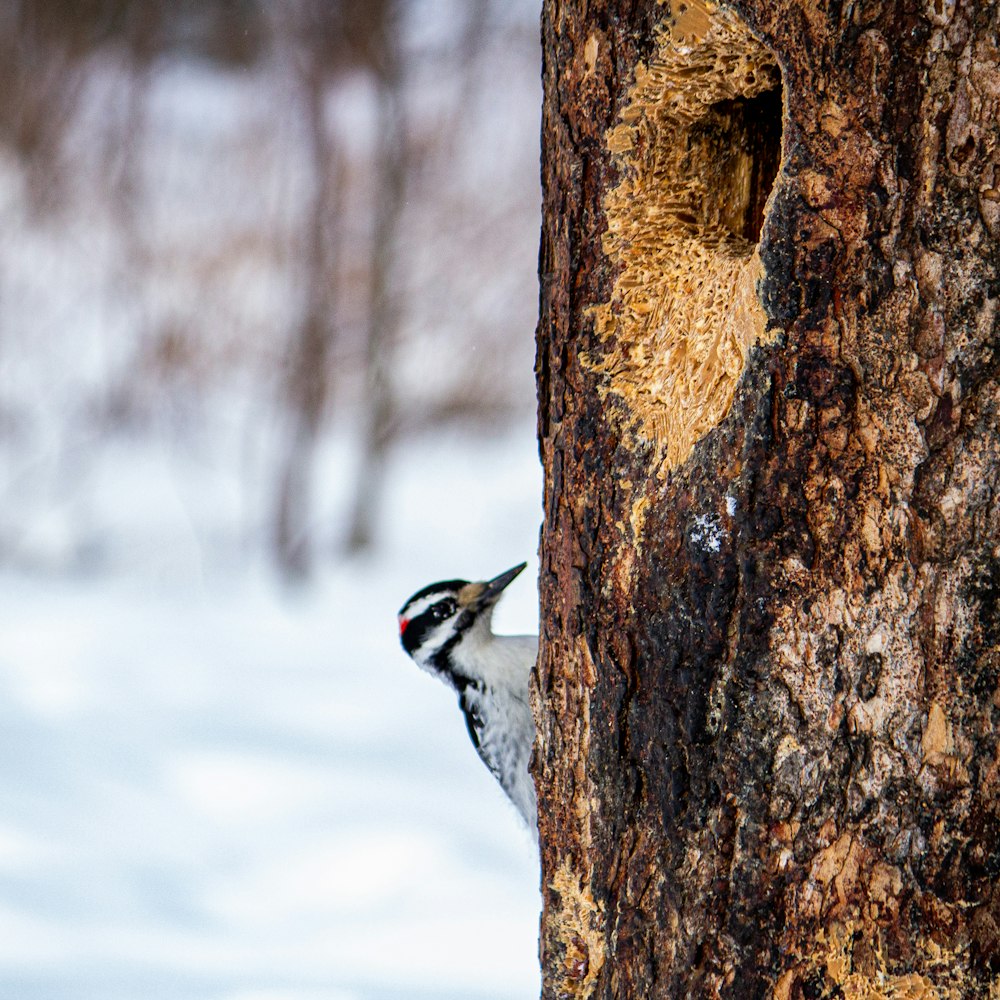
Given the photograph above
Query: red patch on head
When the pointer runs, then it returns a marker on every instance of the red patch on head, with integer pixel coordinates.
(403, 622)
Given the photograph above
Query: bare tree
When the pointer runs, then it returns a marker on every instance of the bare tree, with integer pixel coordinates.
(43, 52)
(382, 324)
(307, 380)
(334, 38)
(768, 749)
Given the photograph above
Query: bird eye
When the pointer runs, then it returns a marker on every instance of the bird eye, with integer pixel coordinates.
(443, 609)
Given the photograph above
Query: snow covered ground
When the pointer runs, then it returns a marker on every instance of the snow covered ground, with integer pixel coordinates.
(215, 790)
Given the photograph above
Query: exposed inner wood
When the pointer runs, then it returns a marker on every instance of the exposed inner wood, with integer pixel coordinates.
(699, 145)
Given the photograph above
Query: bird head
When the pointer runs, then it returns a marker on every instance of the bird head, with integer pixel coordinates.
(435, 618)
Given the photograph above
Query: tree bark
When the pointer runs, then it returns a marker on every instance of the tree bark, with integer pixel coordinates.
(769, 383)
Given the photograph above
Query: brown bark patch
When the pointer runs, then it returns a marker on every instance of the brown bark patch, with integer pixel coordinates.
(578, 927)
(575, 926)
(698, 146)
(852, 963)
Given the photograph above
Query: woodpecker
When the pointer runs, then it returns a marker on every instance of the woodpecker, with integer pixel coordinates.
(446, 629)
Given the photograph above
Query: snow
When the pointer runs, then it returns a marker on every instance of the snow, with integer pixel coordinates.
(215, 788)
(218, 790)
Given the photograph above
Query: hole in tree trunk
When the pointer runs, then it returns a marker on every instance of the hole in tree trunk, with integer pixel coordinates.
(743, 140)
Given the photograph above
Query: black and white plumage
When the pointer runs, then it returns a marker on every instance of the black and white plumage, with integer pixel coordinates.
(447, 629)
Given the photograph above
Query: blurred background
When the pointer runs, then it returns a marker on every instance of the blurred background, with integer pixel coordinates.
(267, 300)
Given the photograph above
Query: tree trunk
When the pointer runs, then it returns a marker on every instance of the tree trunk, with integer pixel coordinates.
(383, 319)
(306, 385)
(768, 694)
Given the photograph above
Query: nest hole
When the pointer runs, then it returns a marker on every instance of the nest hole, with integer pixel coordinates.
(740, 148)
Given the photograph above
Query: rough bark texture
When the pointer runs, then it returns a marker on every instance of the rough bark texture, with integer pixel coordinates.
(768, 697)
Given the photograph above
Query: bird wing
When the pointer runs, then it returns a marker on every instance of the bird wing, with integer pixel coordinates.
(470, 701)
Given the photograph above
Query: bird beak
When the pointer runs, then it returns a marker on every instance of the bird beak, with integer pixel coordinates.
(492, 589)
